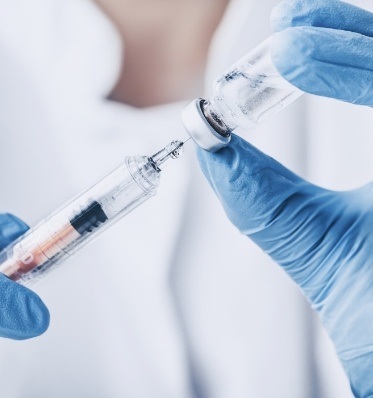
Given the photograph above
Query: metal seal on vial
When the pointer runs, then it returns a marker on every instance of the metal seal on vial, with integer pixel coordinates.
(200, 128)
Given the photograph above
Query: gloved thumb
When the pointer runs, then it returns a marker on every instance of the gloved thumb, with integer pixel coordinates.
(321, 238)
(251, 186)
(284, 214)
(22, 313)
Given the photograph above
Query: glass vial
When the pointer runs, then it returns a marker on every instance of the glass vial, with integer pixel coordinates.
(249, 92)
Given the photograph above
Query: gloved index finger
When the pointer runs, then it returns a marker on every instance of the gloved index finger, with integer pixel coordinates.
(333, 14)
(22, 313)
(327, 62)
(250, 184)
(11, 228)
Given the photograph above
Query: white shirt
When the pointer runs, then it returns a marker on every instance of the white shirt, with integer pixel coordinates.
(171, 301)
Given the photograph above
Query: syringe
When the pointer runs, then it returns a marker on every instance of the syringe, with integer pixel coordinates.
(44, 247)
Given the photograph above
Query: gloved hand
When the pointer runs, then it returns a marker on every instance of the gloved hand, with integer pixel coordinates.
(323, 240)
(325, 47)
(22, 313)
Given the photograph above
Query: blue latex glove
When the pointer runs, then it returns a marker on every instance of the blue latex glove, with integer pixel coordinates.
(22, 313)
(325, 47)
(323, 240)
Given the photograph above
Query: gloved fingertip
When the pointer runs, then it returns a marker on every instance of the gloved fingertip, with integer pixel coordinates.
(281, 16)
(227, 163)
(292, 53)
(250, 184)
(210, 160)
(291, 13)
(38, 316)
(324, 62)
(11, 228)
(23, 314)
(204, 157)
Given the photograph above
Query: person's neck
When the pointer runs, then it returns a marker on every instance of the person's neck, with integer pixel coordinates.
(166, 46)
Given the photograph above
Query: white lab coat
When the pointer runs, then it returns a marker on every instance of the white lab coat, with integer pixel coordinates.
(171, 302)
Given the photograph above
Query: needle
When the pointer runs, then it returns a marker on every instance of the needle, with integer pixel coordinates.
(187, 140)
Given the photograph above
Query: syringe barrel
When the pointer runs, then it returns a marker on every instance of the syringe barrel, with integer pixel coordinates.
(61, 234)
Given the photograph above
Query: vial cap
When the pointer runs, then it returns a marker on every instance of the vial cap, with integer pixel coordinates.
(200, 129)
